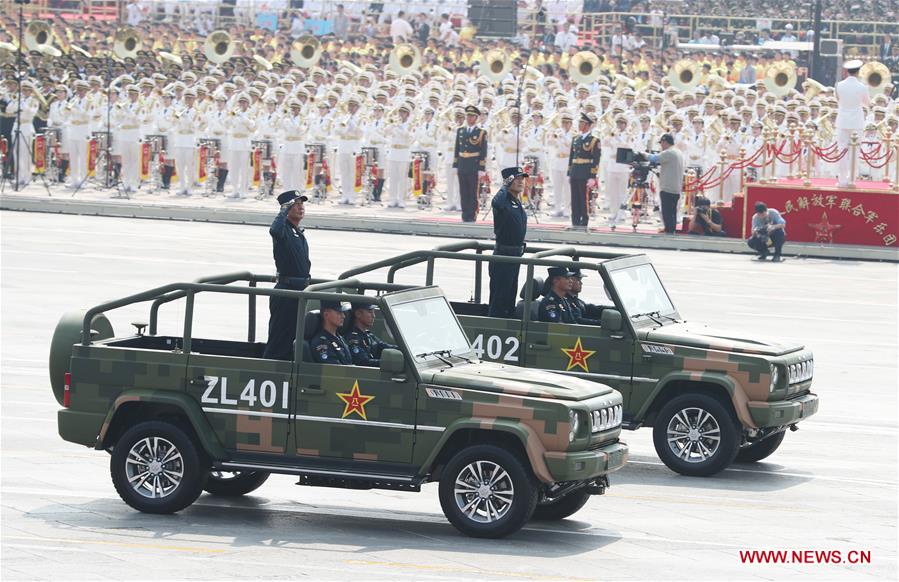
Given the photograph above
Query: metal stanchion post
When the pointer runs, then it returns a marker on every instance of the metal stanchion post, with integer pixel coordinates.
(853, 151)
(742, 170)
(896, 162)
(809, 160)
(722, 163)
(764, 169)
(792, 173)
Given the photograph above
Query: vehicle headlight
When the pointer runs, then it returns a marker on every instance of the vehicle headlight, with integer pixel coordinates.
(775, 376)
(575, 422)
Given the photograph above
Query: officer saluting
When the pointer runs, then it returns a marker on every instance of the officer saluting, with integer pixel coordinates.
(328, 347)
(470, 159)
(365, 346)
(582, 167)
(291, 252)
(510, 224)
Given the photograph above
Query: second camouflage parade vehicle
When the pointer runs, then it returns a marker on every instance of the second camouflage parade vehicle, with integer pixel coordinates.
(711, 398)
(180, 413)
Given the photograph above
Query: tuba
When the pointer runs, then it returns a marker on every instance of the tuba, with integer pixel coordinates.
(262, 63)
(126, 43)
(876, 76)
(812, 88)
(404, 59)
(495, 65)
(7, 52)
(780, 78)
(218, 47)
(37, 34)
(684, 75)
(306, 51)
(584, 67)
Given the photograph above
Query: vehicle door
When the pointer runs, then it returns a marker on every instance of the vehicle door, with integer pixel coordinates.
(494, 339)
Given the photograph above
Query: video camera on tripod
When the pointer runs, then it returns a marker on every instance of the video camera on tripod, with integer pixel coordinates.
(639, 163)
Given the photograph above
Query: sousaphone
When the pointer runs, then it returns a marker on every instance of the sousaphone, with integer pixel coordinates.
(584, 67)
(306, 51)
(405, 59)
(126, 43)
(37, 34)
(876, 76)
(495, 65)
(218, 47)
(780, 78)
(684, 75)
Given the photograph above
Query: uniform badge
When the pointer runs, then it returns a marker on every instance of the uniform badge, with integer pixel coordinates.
(577, 356)
(355, 402)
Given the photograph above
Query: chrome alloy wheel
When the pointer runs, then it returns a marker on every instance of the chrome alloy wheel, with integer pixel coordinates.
(154, 467)
(694, 435)
(484, 491)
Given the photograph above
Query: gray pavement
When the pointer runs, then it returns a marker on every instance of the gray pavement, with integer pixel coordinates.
(831, 486)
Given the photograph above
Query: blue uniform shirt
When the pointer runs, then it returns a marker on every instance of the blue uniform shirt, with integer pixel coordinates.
(510, 222)
(289, 247)
(330, 349)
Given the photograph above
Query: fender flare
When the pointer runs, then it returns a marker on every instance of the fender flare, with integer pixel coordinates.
(734, 390)
(526, 435)
(185, 403)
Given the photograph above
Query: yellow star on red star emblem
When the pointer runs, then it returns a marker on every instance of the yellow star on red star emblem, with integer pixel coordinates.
(577, 356)
(355, 402)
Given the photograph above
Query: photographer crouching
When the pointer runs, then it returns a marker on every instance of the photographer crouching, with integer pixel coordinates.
(705, 220)
(671, 179)
(767, 225)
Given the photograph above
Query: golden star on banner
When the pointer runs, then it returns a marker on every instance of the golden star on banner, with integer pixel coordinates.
(577, 356)
(355, 402)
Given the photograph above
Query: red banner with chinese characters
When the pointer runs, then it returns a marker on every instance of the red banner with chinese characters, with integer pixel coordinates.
(146, 157)
(93, 152)
(358, 173)
(40, 154)
(201, 165)
(828, 215)
(257, 167)
(310, 169)
(416, 177)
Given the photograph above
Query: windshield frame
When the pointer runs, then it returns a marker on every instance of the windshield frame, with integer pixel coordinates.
(612, 266)
(467, 354)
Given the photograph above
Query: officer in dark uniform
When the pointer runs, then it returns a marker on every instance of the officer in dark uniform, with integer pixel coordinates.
(365, 346)
(579, 307)
(554, 307)
(510, 224)
(583, 164)
(470, 159)
(327, 346)
(291, 252)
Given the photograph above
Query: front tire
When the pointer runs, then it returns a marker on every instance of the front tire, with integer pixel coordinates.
(760, 450)
(156, 468)
(487, 492)
(696, 435)
(234, 484)
(562, 508)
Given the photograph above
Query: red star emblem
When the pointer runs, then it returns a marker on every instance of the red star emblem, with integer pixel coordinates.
(824, 230)
(577, 356)
(355, 402)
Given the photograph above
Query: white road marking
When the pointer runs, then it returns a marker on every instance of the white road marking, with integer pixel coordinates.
(809, 476)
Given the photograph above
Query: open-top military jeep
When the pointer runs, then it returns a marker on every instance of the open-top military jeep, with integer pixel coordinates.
(180, 413)
(711, 398)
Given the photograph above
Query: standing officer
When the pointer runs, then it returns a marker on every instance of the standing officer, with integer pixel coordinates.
(510, 224)
(852, 97)
(582, 167)
(469, 160)
(291, 252)
(365, 346)
(328, 347)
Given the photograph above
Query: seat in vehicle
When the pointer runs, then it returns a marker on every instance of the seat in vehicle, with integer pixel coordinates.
(537, 290)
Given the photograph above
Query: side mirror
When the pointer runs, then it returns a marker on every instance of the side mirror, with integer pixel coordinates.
(393, 361)
(610, 320)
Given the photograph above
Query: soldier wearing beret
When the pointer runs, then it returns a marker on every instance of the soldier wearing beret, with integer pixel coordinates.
(328, 347)
(510, 224)
(583, 164)
(365, 346)
(291, 252)
(554, 307)
(469, 160)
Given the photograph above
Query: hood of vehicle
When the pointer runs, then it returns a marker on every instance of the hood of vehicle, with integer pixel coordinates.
(490, 377)
(699, 335)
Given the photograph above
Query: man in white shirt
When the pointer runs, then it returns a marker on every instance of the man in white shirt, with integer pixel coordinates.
(400, 29)
(852, 97)
(567, 39)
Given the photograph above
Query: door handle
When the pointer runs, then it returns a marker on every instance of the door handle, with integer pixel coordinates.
(399, 379)
(617, 336)
(199, 381)
(539, 347)
(313, 390)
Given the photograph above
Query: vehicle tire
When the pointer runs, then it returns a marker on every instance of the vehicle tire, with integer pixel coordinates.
(561, 508)
(156, 468)
(234, 483)
(760, 450)
(696, 435)
(487, 492)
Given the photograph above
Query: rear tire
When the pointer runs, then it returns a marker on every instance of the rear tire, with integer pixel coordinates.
(234, 484)
(487, 492)
(562, 508)
(696, 435)
(760, 450)
(156, 468)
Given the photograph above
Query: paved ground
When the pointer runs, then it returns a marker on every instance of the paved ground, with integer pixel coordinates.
(832, 486)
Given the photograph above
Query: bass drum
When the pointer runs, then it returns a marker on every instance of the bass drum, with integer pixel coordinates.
(65, 336)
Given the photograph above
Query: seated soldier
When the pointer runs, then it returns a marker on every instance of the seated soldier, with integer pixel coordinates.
(365, 346)
(578, 306)
(327, 346)
(554, 307)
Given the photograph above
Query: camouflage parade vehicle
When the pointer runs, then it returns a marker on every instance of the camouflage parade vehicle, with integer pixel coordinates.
(711, 398)
(180, 413)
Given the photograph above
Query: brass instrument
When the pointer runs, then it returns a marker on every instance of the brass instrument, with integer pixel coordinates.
(126, 43)
(81, 51)
(622, 81)
(49, 50)
(684, 75)
(876, 76)
(7, 52)
(263, 62)
(171, 58)
(352, 68)
(404, 59)
(438, 70)
(583, 67)
(218, 47)
(37, 34)
(716, 83)
(780, 78)
(812, 88)
(306, 51)
(495, 65)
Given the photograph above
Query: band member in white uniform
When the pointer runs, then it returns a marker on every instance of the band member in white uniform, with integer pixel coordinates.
(126, 120)
(185, 146)
(559, 148)
(241, 127)
(349, 141)
(24, 139)
(77, 133)
(399, 135)
(852, 97)
(292, 148)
